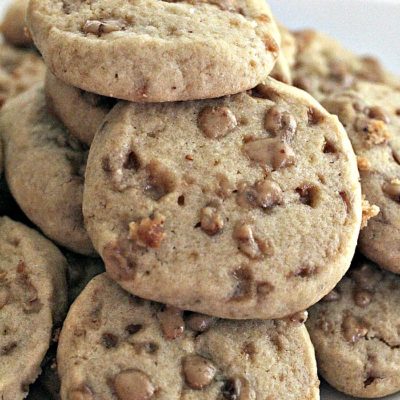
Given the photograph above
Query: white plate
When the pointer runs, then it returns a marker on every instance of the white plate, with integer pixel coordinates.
(365, 26)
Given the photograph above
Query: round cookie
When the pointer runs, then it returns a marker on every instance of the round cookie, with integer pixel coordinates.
(115, 346)
(19, 70)
(287, 57)
(81, 112)
(371, 114)
(13, 26)
(44, 168)
(355, 333)
(225, 206)
(33, 299)
(155, 51)
(323, 66)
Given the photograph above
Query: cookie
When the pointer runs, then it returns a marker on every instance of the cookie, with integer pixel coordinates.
(155, 51)
(206, 205)
(355, 332)
(371, 114)
(287, 57)
(13, 26)
(19, 70)
(323, 66)
(33, 299)
(116, 346)
(80, 111)
(44, 168)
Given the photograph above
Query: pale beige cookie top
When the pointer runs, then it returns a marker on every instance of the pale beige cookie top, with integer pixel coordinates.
(153, 50)
(19, 70)
(80, 111)
(33, 298)
(287, 57)
(13, 26)
(355, 331)
(114, 346)
(323, 66)
(240, 207)
(44, 167)
(371, 114)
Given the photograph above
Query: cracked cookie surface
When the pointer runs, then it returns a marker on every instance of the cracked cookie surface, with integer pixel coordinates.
(81, 112)
(355, 331)
(323, 66)
(114, 346)
(371, 115)
(33, 299)
(231, 207)
(153, 50)
(44, 168)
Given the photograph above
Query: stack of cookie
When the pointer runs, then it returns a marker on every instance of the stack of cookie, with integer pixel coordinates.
(168, 142)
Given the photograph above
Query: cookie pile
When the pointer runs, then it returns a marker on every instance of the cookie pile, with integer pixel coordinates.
(202, 197)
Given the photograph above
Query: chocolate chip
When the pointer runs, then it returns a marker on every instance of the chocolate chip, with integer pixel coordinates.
(298, 318)
(199, 322)
(160, 180)
(315, 116)
(379, 113)
(109, 341)
(118, 259)
(216, 122)
(243, 278)
(280, 122)
(133, 384)
(7, 349)
(171, 321)
(366, 277)
(198, 372)
(99, 28)
(249, 244)
(392, 189)
(362, 298)
(211, 220)
(133, 328)
(353, 329)
(264, 194)
(270, 153)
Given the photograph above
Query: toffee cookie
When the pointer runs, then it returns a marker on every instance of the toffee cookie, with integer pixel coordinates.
(44, 168)
(371, 114)
(81, 112)
(33, 298)
(155, 51)
(324, 67)
(19, 70)
(287, 57)
(115, 346)
(355, 333)
(13, 26)
(225, 206)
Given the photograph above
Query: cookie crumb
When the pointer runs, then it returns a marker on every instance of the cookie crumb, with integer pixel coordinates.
(368, 211)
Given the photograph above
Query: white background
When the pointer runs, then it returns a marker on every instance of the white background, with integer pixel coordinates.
(365, 26)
